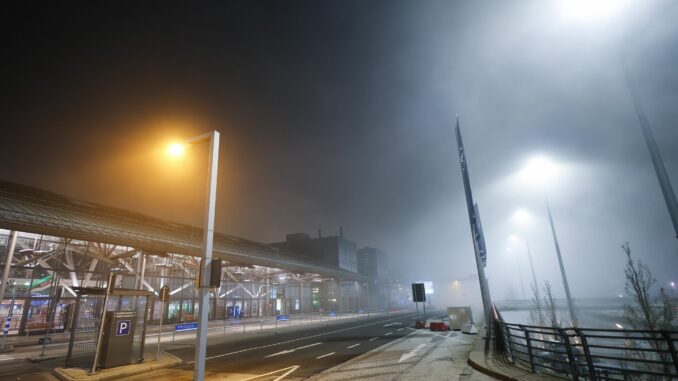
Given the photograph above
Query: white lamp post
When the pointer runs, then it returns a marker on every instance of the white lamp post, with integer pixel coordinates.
(177, 149)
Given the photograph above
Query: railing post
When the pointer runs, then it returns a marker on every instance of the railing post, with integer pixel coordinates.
(529, 346)
(672, 349)
(509, 341)
(587, 354)
(570, 355)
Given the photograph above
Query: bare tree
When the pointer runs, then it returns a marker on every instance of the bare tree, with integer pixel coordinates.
(647, 313)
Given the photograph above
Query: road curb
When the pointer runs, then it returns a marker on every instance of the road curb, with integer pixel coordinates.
(487, 370)
(495, 366)
(166, 360)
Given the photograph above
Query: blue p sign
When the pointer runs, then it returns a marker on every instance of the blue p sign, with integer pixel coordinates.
(123, 328)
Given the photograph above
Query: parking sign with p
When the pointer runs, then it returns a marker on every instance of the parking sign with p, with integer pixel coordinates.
(122, 328)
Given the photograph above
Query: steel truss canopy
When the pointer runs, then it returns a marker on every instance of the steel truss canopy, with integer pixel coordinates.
(37, 211)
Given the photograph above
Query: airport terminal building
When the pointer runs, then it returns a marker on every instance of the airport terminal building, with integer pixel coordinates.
(53, 248)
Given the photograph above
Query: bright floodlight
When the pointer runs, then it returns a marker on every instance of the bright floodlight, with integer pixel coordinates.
(176, 149)
(589, 10)
(521, 216)
(539, 170)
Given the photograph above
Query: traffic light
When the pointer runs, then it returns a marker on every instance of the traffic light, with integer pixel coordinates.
(214, 271)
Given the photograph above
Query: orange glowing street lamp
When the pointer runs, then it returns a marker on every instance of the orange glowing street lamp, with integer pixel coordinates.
(177, 150)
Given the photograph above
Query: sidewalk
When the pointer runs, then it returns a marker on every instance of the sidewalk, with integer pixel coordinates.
(422, 355)
(165, 360)
(495, 365)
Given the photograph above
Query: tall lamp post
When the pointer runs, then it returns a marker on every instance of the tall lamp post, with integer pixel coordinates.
(477, 235)
(587, 11)
(566, 284)
(657, 162)
(540, 170)
(537, 295)
(207, 243)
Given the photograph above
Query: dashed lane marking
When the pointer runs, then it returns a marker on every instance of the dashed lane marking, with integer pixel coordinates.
(325, 355)
(352, 346)
(293, 340)
(372, 339)
(292, 350)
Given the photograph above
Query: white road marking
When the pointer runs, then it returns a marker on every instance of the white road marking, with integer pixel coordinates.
(352, 346)
(289, 370)
(400, 329)
(6, 358)
(372, 339)
(325, 355)
(292, 350)
(388, 333)
(412, 353)
(308, 346)
(290, 341)
(280, 353)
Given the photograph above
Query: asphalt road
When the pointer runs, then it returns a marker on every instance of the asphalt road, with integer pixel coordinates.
(298, 354)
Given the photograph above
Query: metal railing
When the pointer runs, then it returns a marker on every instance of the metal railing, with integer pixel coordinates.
(590, 354)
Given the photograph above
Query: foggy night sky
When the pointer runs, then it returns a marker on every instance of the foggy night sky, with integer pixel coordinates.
(342, 113)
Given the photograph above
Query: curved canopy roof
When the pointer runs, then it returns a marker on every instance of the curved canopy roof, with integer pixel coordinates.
(34, 210)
